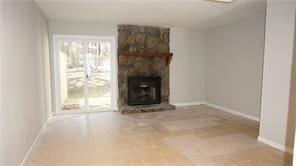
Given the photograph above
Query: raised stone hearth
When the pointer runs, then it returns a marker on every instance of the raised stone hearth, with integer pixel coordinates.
(143, 39)
(147, 108)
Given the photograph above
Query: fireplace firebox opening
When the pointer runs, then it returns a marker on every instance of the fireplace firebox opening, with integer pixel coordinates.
(144, 90)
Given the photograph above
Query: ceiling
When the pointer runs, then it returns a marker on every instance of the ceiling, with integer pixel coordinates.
(193, 14)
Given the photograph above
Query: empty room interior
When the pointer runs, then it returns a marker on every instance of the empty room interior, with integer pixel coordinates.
(131, 83)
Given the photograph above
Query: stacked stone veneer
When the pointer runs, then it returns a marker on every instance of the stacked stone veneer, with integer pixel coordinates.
(132, 38)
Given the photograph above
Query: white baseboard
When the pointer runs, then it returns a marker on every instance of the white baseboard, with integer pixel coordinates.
(35, 141)
(186, 104)
(232, 111)
(275, 145)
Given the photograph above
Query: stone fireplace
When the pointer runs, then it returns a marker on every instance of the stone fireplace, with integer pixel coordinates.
(143, 68)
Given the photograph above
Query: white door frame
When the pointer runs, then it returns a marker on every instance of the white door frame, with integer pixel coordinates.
(56, 69)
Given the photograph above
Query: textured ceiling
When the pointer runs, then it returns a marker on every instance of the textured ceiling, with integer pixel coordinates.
(193, 14)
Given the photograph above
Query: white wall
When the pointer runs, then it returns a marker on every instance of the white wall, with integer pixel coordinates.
(188, 47)
(1, 83)
(234, 65)
(292, 105)
(277, 124)
(82, 28)
(25, 81)
(188, 65)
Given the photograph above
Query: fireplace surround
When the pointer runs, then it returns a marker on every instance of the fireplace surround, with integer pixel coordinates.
(144, 90)
(143, 51)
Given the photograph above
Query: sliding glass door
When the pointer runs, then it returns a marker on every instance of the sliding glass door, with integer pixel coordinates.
(84, 74)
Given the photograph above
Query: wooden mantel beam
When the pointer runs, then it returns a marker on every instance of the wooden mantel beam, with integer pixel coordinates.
(124, 55)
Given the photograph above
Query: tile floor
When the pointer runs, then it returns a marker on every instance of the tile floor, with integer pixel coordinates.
(196, 135)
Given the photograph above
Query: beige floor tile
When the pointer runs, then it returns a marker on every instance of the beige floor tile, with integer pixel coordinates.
(185, 142)
(197, 135)
(162, 155)
(190, 123)
(263, 155)
(228, 144)
(197, 157)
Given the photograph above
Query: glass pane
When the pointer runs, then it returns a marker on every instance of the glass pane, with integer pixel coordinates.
(99, 75)
(72, 75)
